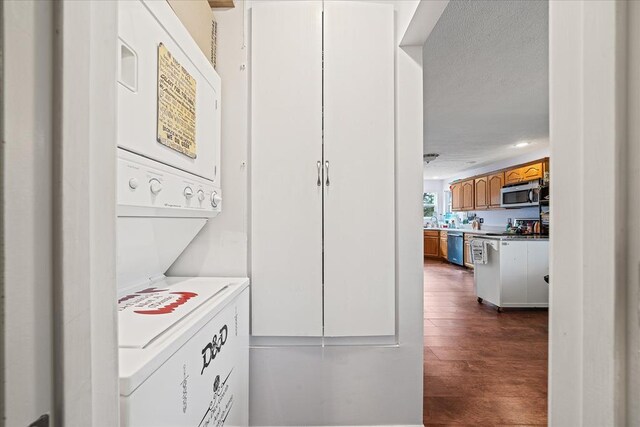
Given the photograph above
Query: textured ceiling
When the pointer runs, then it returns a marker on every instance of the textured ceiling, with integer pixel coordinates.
(486, 84)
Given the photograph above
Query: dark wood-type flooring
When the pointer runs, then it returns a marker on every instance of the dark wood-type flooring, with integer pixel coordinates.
(481, 367)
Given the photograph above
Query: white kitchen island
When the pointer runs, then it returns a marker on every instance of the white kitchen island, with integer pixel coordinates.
(514, 273)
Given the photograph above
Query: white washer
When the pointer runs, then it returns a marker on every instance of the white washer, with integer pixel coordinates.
(183, 341)
(184, 353)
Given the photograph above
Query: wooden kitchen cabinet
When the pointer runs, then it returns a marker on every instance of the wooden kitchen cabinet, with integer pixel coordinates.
(468, 262)
(495, 182)
(468, 202)
(462, 194)
(481, 191)
(524, 173)
(221, 4)
(443, 245)
(431, 243)
(456, 196)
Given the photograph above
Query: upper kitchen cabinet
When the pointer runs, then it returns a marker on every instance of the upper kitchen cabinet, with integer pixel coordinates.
(468, 195)
(481, 193)
(495, 182)
(462, 196)
(524, 173)
(456, 196)
(322, 153)
(484, 191)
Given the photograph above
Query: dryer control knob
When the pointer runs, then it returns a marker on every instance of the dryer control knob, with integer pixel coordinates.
(155, 186)
(200, 195)
(215, 199)
(133, 183)
(188, 192)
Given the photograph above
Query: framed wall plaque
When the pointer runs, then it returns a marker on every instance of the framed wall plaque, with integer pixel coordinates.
(176, 104)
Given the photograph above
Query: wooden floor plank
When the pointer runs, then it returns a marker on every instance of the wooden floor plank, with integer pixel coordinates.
(481, 367)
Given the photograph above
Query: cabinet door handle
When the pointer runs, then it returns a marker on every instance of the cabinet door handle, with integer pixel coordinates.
(326, 165)
(319, 164)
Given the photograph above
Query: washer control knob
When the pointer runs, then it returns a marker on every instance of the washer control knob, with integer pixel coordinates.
(200, 195)
(215, 199)
(133, 183)
(188, 192)
(155, 186)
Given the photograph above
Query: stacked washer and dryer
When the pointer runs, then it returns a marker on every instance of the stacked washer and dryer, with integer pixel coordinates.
(183, 341)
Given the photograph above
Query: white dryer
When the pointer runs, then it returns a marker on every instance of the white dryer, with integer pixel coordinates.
(183, 341)
(168, 92)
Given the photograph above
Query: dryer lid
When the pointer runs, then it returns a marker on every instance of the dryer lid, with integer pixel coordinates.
(166, 335)
(145, 314)
(147, 246)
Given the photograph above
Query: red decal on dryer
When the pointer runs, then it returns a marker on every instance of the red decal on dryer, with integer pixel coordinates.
(169, 308)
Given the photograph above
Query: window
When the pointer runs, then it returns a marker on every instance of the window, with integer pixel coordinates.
(429, 203)
(448, 207)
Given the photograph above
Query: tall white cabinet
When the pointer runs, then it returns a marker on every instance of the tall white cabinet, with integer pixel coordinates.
(322, 169)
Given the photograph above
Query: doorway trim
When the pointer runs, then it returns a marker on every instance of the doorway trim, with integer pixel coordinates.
(84, 217)
(587, 344)
(587, 50)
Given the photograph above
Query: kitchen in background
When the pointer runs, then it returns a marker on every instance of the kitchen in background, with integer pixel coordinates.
(486, 203)
(503, 201)
(486, 251)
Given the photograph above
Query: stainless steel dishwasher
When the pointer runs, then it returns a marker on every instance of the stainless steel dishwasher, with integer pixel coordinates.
(455, 247)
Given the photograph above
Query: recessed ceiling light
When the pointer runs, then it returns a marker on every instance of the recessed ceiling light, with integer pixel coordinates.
(521, 144)
(436, 177)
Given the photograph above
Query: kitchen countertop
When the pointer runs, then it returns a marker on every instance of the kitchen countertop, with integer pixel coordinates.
(464, 230)
(491, 234)
(517, 237)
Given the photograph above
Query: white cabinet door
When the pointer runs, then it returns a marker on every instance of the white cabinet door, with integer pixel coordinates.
(537, 268)
(359, 238)
(286, 144)
(513, 273)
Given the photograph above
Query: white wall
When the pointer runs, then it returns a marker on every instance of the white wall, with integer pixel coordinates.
(633, 207)
(27, 209)
(330, 385)
(367, 384)
(588, 289)
(499, 217)
(220, 249)
(84, 216)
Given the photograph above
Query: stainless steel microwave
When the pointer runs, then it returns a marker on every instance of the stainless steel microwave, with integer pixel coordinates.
(520, 196)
